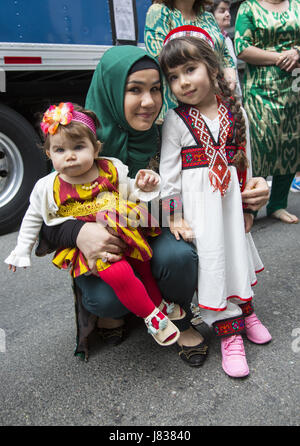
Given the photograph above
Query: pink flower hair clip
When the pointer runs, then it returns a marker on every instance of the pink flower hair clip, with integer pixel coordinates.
(55, 115)
(63, 114)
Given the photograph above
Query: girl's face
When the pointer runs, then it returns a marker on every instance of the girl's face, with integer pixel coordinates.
(72, 157)
(142, 99)
(191, 83)
(222, 15)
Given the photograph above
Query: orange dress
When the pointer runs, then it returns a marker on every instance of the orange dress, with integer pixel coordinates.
(103, 203)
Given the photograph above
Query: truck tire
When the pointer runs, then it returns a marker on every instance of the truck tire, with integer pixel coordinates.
(22, 162)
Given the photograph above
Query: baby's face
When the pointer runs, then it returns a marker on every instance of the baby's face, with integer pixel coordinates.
(72, 157)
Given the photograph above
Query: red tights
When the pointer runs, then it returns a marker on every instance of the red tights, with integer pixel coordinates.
(138, 297)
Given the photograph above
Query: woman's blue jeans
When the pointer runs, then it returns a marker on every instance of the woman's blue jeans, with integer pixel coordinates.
(174, 266)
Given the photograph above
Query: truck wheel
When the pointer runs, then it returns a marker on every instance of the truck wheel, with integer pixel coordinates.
(22, 162)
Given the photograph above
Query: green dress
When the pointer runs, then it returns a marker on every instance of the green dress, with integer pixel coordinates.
(271, 95)
(160, 20)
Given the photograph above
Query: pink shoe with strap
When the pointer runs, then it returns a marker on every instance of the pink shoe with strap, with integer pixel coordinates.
(234, 361)
(255, 331)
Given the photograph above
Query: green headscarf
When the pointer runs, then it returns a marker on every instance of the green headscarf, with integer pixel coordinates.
(106, 98)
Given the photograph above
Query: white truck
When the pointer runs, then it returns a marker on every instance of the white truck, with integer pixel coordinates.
(48, 52)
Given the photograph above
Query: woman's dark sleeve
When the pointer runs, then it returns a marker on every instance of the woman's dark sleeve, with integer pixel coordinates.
(63, 235)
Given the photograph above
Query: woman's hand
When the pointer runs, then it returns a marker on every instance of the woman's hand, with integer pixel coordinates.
(147, 180)
(96, 241)
(230, 77)
(180, 228)
(256, 193)
(288, 60)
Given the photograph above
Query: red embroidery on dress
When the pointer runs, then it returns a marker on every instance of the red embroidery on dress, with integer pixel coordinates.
(195, 156)
(218, 171)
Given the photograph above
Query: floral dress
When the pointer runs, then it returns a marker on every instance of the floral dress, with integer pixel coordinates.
(160, 20)
(271, 95)
(105, 204)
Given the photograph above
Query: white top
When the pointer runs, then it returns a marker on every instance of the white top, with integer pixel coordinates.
(42, 208)
(228, 259)
(213, 125)
(176, 135)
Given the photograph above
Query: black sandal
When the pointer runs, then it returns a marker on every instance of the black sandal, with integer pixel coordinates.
(112, 336)
(199, 325)
(194, 356)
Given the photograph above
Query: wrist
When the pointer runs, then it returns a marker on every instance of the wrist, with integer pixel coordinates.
(274, 56)
(78, 232)
(175, 218)
(298, 52)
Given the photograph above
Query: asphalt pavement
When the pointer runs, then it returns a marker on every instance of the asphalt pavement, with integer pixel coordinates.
(139, 383)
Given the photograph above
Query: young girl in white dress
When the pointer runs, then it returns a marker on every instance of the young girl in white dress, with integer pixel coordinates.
(203, 168)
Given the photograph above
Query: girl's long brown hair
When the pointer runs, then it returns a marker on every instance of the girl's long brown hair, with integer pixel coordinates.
(184, 49)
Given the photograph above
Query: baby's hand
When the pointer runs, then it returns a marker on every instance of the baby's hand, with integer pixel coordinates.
(180, 228)
(147, 180)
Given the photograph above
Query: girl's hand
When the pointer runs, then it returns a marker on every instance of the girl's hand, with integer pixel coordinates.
(288, 60)
(256, 193)
(146, 180)
(248, 221)
(180, 228)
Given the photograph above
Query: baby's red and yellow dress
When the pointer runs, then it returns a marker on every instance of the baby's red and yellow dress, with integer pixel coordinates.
(101, 201)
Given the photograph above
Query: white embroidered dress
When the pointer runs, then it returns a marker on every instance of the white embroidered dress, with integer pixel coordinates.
(228, 259)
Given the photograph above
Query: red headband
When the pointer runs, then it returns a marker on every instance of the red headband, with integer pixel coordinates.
(189, 30)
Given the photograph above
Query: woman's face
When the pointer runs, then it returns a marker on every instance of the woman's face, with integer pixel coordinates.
(142, 99)
(222, 15)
